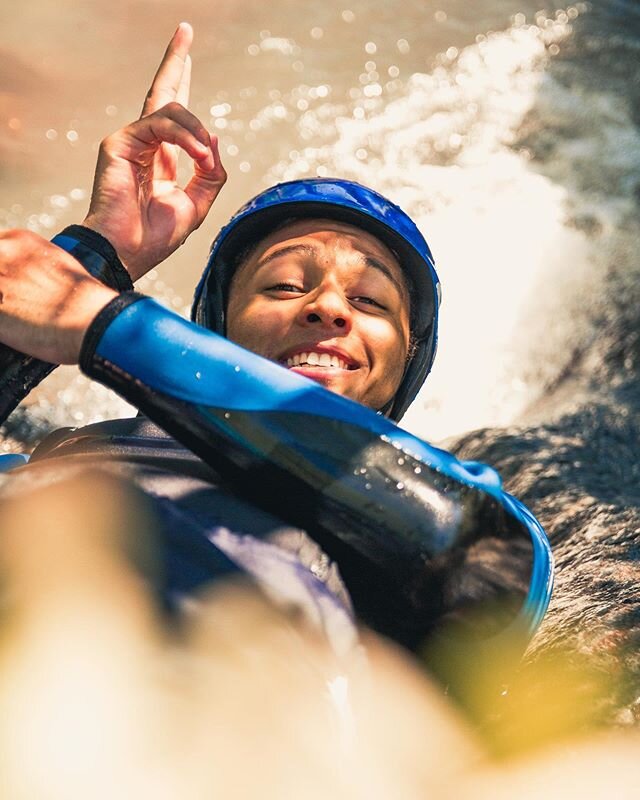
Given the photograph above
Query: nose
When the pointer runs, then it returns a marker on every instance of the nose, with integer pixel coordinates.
(327, 307)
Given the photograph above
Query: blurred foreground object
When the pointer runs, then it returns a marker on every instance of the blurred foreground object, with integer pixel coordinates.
(102, 697)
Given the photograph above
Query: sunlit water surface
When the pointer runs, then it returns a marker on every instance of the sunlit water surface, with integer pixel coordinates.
(508, 133)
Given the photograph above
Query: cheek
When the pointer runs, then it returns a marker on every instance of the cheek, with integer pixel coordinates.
(256, 326)
(389, 345)
(239, 322)
(243, 327)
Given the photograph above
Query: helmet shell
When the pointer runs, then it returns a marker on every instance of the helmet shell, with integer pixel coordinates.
(344, 201)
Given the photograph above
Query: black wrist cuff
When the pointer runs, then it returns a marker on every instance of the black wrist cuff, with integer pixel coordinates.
(96, 254)
(100, 323)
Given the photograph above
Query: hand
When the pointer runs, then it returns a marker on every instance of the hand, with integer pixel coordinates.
(136, 202)
(47, 298)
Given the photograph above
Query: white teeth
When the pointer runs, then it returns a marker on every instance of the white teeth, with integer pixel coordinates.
(316, 360)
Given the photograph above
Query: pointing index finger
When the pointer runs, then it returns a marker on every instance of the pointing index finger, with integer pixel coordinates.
(182, 95)
(173, 73)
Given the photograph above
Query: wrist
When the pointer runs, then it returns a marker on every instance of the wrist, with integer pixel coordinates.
(96, 254)
(76, 318)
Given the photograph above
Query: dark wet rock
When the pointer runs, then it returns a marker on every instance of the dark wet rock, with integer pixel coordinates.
(580, 474)
(23, 430)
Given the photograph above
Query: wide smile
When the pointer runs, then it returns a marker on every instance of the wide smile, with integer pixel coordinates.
(323, 360)
(318, 359)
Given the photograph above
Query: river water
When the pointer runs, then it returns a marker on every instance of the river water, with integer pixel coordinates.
(509, 132)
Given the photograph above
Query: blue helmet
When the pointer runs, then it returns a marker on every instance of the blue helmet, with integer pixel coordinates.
(344, 201)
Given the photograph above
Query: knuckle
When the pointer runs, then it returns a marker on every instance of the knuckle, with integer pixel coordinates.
(19, 242)
(22, 236)
(173, 107)
(107, 143)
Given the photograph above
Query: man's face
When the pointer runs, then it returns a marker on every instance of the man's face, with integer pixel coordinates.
(328, 301)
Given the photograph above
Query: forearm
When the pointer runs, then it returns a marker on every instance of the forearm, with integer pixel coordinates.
(407, 513)
(49, 293)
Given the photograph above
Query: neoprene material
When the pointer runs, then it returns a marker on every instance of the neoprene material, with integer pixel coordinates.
(96, 254)
(326, 463)
(20, 373)
(345, 201)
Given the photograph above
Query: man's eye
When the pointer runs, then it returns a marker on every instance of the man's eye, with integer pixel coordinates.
(286, 287)
(368, 301)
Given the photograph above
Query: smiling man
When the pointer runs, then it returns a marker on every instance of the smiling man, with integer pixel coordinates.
(322, 268)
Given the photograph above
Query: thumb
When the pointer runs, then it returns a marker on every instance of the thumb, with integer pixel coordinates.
(205, 185)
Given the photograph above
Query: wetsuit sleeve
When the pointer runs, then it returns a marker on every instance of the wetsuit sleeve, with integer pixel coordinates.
(418, 534)
(96, 254)
(20, 373)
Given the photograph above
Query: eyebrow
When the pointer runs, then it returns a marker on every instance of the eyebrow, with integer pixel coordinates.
(304, 249)
(309, 250)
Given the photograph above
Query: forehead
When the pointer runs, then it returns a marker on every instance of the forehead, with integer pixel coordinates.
(327, 234)
(328, 231)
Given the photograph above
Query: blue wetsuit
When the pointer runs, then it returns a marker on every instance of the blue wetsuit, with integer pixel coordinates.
(418, 536)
